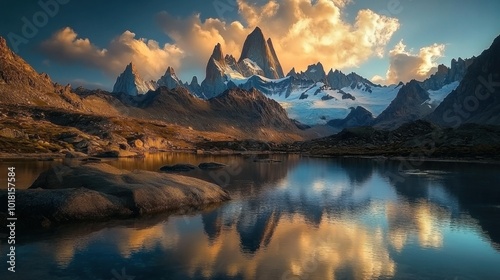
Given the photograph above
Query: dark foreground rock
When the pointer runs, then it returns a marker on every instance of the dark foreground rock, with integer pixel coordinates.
(211, 165)
(181, 167)
(98, 191)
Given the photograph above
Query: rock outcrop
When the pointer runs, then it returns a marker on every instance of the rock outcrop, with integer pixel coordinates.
(98, 191)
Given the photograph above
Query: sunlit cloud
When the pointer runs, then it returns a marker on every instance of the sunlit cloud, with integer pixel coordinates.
(303, 32)
(150, 58)
(421, 220)
(406, 65)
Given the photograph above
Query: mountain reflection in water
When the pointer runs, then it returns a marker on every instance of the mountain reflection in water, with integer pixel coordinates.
(301, 218)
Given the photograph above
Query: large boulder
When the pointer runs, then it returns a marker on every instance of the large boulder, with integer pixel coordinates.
(97, 191)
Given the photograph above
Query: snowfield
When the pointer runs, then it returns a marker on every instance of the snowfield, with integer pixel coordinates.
(316, 103)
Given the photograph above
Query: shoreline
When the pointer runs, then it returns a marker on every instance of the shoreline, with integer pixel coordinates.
(48, 157)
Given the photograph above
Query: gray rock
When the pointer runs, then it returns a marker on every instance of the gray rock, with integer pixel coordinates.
(96, 191)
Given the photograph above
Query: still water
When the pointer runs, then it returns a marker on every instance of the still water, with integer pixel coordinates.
(301, 218)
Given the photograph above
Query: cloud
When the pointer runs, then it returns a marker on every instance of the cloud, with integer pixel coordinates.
(150, 58)
(197, 38)
(405, 65)
(303, 32)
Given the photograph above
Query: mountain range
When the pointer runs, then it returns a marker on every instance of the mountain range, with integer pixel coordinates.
(251, 98)
(314, 96)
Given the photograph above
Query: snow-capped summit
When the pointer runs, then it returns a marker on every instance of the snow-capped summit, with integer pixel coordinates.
(259, 53)
(131, 83)
(169, 80)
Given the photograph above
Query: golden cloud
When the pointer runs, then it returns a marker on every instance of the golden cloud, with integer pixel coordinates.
(405, 65)
(150, 58)
(303, 32)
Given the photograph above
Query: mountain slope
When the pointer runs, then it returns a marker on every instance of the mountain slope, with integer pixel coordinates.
(409, 105)
(20, 84)
(476, 99)
(238, 112)
(358, 116)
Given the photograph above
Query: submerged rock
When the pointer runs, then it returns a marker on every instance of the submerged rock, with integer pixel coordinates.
(178, 168)
(97, 191)
(211, 165)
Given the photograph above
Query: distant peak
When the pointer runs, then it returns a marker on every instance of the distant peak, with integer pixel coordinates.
(130, 67)
(170, 71)
(217, 53)
(257, 30)
(413, 83)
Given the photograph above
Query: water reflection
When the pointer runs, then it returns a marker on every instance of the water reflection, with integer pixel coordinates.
(422, 219)
(301, 219)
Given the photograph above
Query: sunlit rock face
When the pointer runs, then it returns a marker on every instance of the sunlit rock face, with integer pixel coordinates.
(256, 49)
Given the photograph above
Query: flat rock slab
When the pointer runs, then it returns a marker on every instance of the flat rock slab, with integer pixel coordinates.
(97, 191)
(211, 165)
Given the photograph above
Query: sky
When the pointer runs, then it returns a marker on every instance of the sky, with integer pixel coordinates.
(89, 43)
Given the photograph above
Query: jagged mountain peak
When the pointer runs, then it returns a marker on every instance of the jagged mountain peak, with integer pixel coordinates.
(131, 68)
(446, 75)
(217, 54)
(194, 81)
(257, 32)
(169, 80)
(130, 82)
(292, 73)
(170, 71)
(259, 52)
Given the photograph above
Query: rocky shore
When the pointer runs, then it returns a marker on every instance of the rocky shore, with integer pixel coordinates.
(98, 191)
